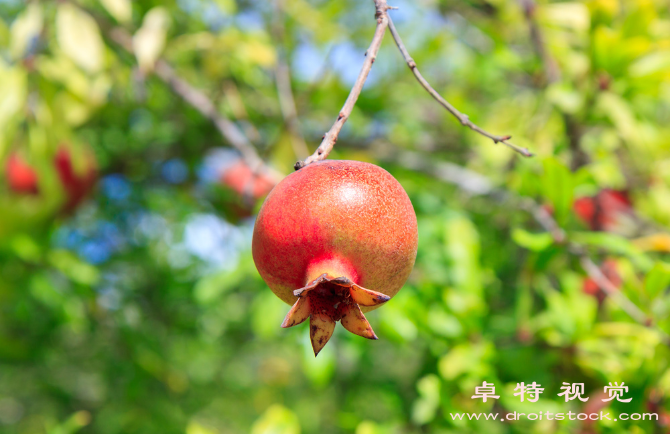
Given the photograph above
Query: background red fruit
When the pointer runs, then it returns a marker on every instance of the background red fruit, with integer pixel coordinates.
(348, 221)
(21, 177)
(74, 179)
(604, 211)
(609, 270)
(77, 184)
(244, 181)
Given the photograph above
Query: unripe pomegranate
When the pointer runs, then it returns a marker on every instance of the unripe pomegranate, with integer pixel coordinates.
(326, 234)
(21, 177)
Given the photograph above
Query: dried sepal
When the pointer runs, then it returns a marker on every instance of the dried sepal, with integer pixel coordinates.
(321, 328)
(354, 321)
(367, 297)
(326, 300)
(298, 313)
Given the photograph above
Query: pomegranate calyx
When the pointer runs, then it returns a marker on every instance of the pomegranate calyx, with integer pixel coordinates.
(327, 300)
(316, 282)
(362, 296)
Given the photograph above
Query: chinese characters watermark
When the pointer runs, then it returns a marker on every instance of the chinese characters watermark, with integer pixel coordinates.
(573, 391)
(570, 391)
(617, 392)
(485, 391)
(533, 391)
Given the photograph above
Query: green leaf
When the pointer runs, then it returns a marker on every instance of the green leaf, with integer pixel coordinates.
(462, 247)
(13, 90)
(651, 64)
(614, 243)
(620, 114)
(565, 97)
(657, 279)
(25, 29)
(534, 242)
(571, 15)
(558, 187)
(79, 37)
(26, 248)
(195, 428)
(210, 288)
(149, 40)
(277, 420)
(429, 399)
(443, 324)
(74, 268)
(465, 358)
(227, 6)
(121, 10)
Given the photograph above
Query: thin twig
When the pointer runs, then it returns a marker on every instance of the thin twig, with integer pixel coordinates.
(239, 112)
(467, 180)
(549, 224)
(544, 218)
(552, 74)
(331, 136)
(612, 291)
(462, 118)
(198, 100)
(551, 71)
(289, 109)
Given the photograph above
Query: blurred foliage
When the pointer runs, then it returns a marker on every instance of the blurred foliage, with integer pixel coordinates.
(141, 311)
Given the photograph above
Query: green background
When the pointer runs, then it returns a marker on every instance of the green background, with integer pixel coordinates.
(142, 312)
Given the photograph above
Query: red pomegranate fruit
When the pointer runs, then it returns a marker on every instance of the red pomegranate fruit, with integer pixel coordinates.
(611, 273)
(21, 177)
(606, 211)
(77, 185)
(244, 181)
(335, 239)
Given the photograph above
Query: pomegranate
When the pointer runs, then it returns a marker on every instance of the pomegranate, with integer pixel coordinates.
(76, 185)
(607, 211)
(244, 181)
(327, 233)
(609, 270)
(21, 177)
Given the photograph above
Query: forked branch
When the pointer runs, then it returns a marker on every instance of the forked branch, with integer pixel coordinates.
(384, 21)
(331, 136)
(199, 101)
(462, 118)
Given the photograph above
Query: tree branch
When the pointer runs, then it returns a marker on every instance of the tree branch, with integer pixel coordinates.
(552, 74)
(476, 184)
(471, 182)
(384, 21)
(611, 290)
(462, 118)
(198, 100)
(551, 71)
(331, 136)
(289, 109)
